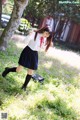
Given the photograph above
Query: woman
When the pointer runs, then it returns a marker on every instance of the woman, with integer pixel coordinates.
(29, 55)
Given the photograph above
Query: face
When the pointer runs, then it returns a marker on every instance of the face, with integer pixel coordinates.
(46, 34)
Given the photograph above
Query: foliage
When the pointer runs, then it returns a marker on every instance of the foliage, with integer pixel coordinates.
(24, 24)
(39, 9)
(71, 10)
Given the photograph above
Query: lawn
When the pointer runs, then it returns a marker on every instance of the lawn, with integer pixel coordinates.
(58, 98)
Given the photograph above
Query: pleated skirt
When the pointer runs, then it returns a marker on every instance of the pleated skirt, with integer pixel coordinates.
(29, 58)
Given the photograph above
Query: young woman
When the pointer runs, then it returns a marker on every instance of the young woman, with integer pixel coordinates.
(29, 56)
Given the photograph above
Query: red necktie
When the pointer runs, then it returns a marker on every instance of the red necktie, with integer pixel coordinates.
(41, 41)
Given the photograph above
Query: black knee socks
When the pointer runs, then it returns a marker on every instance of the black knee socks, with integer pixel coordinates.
(28, 77)
(12, 69)
(7, 70)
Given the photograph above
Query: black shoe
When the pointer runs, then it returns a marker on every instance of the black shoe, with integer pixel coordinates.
(5, 72)
(23, 88)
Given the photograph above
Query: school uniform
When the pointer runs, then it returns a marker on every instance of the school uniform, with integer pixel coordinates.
(29, 55)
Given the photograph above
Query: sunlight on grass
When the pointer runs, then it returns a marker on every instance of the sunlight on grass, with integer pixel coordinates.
(76, 101)
(16, 109)
(65, 57)
(48, 64)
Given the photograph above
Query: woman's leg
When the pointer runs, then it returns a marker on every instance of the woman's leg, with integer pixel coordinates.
(19, 68)
(28, 77)
(30, 71)
(14, 69)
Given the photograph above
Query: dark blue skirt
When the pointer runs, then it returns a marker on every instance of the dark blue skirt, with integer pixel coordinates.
(29, 58)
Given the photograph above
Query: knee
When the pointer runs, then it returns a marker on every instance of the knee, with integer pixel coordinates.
(30, 72)
(18, 69)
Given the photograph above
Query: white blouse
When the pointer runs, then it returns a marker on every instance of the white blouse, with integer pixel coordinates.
(35, 44)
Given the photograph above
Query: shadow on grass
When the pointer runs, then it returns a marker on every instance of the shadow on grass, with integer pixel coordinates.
(9, 88)
(57, 70)
(53, 110)
(67, 46)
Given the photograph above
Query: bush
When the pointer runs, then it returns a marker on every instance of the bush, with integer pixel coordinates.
(24, 25)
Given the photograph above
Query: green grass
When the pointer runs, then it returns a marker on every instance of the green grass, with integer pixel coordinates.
(58, 98)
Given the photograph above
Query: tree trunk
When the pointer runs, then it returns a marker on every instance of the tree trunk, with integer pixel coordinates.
(0, 11)
(19, 6)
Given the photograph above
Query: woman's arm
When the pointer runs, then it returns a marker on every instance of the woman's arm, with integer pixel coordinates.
(29, 37)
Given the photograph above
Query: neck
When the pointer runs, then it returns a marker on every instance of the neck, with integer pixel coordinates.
(42, 35)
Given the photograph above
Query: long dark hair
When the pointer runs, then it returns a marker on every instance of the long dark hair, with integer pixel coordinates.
(49, 39)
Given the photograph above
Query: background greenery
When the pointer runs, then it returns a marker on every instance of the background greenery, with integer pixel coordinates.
(38, 9)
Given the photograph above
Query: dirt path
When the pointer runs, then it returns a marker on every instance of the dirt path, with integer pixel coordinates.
(65, 57)
(19, 40)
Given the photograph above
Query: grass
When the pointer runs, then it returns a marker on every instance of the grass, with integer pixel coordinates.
(58, 98)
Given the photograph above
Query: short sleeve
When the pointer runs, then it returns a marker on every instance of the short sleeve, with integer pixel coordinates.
(29, 37)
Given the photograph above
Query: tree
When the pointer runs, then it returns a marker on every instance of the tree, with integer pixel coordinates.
(19, 6)
(0, 11)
